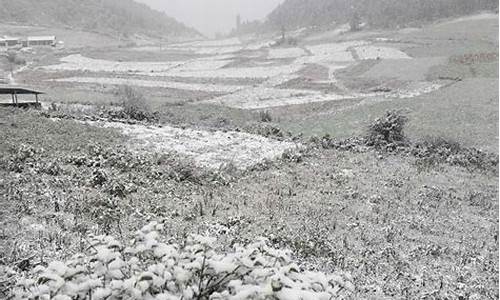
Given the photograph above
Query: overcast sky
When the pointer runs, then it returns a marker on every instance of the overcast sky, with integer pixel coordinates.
(211, 16)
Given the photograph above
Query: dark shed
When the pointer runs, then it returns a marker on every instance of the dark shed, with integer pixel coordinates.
(14, 91)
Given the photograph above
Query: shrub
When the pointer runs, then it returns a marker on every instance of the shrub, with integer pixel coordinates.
(151, 269)
(134, 105)
(432, 151)
(15, 59)
(286, 42)
(387, 132)
(267, 130)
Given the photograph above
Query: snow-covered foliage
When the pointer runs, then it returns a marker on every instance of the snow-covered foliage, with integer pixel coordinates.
(152, 269)
(208, 149)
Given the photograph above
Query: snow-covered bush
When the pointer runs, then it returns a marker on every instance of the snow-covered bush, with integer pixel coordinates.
(388, 132)
(151, 269)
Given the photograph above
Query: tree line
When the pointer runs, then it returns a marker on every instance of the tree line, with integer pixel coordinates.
(375, 13)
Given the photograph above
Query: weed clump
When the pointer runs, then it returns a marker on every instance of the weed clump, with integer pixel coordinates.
(265, 116)
(268, 131)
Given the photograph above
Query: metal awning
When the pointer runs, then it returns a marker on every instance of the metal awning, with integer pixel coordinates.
(15, 90)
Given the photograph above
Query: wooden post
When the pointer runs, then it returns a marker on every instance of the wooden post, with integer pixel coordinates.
(36, 98)
(15, 96)
(13, 100)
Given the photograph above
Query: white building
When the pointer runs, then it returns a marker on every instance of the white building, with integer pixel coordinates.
(32, 41)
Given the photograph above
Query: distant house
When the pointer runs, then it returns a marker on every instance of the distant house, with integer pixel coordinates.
(11, 41)
(33, 41)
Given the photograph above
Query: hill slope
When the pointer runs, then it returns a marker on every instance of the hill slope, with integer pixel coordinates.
(116, 17)
(377, 13)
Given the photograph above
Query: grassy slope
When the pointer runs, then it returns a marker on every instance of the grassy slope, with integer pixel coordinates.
(466, 111)
(400, 230)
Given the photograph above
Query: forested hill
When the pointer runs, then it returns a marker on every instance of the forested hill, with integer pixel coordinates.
(376, 13)
(125, 17)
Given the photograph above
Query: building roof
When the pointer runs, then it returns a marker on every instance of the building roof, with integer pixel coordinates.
(10, 89)
(11, 38)
(41, 38)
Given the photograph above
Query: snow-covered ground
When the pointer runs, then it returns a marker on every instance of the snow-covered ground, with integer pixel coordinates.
(207, 149)
(257, 45)
(278, 53)
(245, 72)
(261, 98)
(417, 89)
(196, 68)
(376, 52)
(211, 47)
(483, 16)
(215, 50)
(208, 43)
(208, 87)
(341, 29)
(335, 51)
(78, 62)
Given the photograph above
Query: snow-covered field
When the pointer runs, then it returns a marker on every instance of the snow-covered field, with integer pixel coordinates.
(211, 47)
(335, 51)
(208, 87)
(272, 69)
(277, 53)
(214, 50)
(208, 43)
(262, 98)
(207, 149)
(376, 52)
(77, 62)
(245, 72)
(197, 68)
(256, 45)
(483, 16)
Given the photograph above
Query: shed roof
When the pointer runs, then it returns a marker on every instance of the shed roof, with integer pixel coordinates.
(11, 38)
(9, 90)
